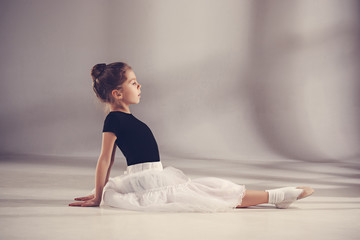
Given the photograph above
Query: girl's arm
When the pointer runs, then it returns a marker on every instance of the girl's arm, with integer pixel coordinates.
(102, 171)
(105, 161)
(111, 163)
(91, 196)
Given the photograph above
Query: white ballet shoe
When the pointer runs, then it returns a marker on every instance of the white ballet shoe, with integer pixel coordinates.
(284, 197)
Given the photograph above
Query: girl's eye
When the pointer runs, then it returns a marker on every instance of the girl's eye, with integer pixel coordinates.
(134, 83)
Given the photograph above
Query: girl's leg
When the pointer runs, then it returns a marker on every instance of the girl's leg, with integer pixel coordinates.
(281, 197)
(253, 198)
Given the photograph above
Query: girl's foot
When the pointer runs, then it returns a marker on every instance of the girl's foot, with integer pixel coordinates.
(307, 192)
(283, 197)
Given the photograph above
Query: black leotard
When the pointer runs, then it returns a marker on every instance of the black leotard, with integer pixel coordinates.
(134, 138)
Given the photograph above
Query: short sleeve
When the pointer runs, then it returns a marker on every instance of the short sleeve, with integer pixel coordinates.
(110, 124)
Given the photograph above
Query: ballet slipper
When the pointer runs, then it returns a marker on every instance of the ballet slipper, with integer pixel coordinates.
(291, 197)
(307, 192)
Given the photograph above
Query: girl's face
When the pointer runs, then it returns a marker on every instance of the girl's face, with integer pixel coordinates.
(131, 89)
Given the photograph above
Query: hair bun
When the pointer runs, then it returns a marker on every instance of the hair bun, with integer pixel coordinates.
(97, 70)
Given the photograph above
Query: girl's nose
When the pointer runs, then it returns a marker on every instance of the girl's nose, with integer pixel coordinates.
(139, 86)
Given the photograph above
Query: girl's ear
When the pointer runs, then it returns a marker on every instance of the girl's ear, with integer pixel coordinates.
(117, 94)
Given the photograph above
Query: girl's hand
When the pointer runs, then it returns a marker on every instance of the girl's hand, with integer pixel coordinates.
(85, 198)
(94, 202)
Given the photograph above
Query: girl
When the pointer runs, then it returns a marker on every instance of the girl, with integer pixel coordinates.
(146, 185)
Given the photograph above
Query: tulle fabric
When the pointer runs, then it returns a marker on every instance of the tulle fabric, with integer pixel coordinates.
(150, 187)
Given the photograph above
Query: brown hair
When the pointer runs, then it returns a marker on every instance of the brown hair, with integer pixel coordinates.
(107, 78)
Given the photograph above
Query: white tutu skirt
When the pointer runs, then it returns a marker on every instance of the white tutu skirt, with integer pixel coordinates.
(150, 187)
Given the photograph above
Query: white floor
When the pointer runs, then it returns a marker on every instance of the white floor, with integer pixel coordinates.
(36, 191)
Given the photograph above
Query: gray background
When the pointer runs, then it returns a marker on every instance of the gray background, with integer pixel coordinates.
(220, 79)
(262, 93)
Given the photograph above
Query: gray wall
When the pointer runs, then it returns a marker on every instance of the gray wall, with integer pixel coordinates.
(220, 79)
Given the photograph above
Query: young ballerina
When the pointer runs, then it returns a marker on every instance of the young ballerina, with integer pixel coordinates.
(146, 185)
